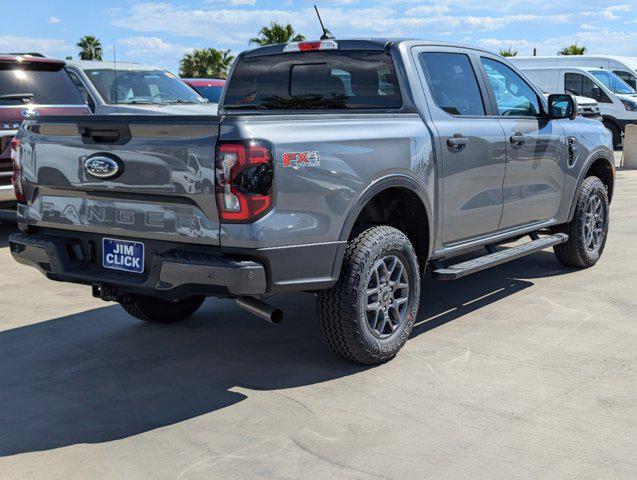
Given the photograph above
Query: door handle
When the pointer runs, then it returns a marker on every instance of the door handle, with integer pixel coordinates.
(457, 142)
(518, 139)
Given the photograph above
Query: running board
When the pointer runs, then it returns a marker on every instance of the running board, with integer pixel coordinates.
(463, 269)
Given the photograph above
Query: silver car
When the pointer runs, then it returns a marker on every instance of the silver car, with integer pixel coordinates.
(133, 88)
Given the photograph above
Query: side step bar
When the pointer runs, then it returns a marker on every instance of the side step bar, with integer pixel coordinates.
(463, 269)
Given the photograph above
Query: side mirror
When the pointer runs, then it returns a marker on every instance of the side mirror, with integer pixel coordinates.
(562, 106)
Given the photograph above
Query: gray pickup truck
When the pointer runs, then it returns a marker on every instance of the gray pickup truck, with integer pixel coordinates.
(344, 168)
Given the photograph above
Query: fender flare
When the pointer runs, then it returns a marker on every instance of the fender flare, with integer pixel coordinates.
(395, 180)
(580, 179)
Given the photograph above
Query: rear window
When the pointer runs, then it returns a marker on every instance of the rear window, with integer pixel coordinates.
(48, 87)
(319, 80)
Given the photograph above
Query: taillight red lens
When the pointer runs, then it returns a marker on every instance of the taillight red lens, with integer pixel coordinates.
(244, 174)
(16, 154)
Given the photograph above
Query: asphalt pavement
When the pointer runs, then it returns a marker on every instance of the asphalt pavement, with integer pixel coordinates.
(524, 371)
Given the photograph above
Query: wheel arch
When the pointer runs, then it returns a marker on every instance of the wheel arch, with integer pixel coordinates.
(601, 166)
(401, 188)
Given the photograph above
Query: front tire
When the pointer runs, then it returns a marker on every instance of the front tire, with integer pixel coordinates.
(588, 230)
(368, 315)
(155, 310)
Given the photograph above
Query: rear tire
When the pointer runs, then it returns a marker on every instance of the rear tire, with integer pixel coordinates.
(155, 310)
(588, 230)
(368, 315)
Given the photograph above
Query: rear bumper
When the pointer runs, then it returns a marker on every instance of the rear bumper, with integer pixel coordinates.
(171, 272)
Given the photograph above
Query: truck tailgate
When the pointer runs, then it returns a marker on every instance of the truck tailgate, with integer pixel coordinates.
(141, 176)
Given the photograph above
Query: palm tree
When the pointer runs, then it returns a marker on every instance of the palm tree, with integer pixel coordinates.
(277, 33)
(90, 48)
(206, 63)
(509, 52)
(574, 49)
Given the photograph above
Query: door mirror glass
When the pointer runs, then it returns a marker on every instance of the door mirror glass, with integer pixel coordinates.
(562, 106)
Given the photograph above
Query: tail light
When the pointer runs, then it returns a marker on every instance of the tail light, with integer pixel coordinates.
(16, 154)
(244, 174)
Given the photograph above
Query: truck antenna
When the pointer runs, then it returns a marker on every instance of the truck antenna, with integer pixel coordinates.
(327, 35)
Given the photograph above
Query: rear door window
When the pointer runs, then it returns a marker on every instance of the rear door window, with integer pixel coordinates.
(321, 80)
(453, 83)
(47, 86)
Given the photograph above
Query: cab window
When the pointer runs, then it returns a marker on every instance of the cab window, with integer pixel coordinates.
(513, 96)
(453, 83)
(578, 84)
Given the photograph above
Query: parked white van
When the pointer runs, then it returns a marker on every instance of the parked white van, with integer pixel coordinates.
(617, 100)
(624, 67)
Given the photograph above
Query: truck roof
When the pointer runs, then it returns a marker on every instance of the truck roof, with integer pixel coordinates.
(360, 44)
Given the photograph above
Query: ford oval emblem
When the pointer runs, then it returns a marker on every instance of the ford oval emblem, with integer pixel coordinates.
(101, 167)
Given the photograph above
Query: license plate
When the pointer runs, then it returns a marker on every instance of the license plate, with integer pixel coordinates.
(123, 255)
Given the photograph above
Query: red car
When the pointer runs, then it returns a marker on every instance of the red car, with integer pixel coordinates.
(30, 86)
(209, 88)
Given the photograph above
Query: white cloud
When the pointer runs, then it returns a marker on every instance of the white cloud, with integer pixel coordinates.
(597, 42)
(151, 47)
(427, 10)
(223, 26)
(54, 20)
(47, 46)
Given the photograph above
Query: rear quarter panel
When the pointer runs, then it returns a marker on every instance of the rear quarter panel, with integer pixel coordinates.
(313, 202)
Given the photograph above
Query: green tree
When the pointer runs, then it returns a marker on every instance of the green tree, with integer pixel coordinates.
(277, 33)
(90, 48)
(574, 49)
(206, 63)
(509, 52)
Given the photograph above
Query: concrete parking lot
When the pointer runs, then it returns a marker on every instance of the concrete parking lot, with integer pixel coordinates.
(526, 371)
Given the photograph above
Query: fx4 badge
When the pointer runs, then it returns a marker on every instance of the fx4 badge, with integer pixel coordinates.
(301, 159)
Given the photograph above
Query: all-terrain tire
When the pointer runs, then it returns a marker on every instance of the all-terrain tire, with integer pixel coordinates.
(342, 310)
(155, 310)
(575, 253)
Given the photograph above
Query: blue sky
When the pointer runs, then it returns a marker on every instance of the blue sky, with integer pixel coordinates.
(160, 32)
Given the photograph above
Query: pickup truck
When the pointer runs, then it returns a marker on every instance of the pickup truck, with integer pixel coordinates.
(344, 168)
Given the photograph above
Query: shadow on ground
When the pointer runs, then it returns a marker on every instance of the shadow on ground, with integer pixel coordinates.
(100, 375)
(6, 229)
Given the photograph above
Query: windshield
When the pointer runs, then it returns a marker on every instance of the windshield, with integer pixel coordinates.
(316, 80)
(211, 92)
(141, 87)
(612, 81)
(44, 87)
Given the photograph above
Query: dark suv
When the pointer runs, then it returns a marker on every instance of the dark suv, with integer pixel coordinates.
(30, 86)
